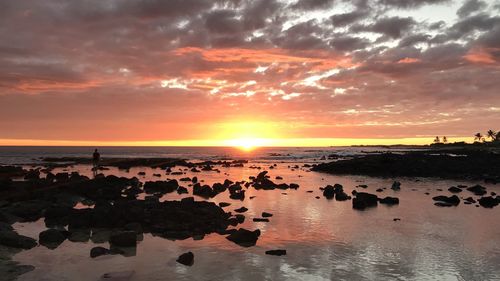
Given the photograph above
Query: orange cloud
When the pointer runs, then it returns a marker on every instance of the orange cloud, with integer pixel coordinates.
(481, 55)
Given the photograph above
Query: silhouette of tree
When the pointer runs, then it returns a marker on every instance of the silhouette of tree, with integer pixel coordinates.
(437, 140)
(478, 137)
(445, 139)
(492, 135)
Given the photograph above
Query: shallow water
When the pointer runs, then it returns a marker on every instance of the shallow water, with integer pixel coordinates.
(325, 240)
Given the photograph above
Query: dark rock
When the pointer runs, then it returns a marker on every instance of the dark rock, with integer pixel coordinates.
(260, 220)
(14, 240)
(186, 259)
(52, 238)
(98, 251)
(241, 210)
(266, 215)
(396, 185)
(181, 190)
(488, 202)
(244, 237)
(204, 191)
(454, 189)
(364, 200)
(443, 204)
(470, 200)
(224, 204)
(276, 252)
(389, 201)
(124, 239)
(161, 186)
(453, 200)
(379, 190)
(477, 190)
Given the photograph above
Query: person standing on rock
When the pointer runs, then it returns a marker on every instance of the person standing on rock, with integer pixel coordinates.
(96, 157)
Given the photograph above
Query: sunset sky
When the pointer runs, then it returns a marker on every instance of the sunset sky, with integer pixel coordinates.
(208, 72)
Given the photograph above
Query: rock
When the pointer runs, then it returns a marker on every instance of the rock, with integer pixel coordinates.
(98, 251)
(181, 190)
(477, 190)
(379, 190)
(293, 186)
(241, 210)
(161, 186)
(124, 239)
(364, 200)
(342, 196)
(52, 238)
(117, 276)
(186, 259)
(260, 220)
(454, 189)
(396, 219)
(443, 204)
(396, 185)
(389, 201)
(453, 200)
(470, 200)
(224, 204)
(276, 252)
(363, 186)
(488, 202)
(279, 178)
(204, 191)
(266, 215)
(244, 237)
(329, 192)
(14, 240)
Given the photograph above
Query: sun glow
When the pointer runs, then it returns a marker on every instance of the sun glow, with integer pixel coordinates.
(247, 144)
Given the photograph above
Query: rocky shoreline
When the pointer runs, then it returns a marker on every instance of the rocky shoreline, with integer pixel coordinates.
(451, 164)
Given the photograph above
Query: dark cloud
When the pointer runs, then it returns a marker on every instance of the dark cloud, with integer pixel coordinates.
(480, 22)
(410, 3)
(348, 18)
(313, 4)
(393, 27)
(414, 39)
(347, 43)
(470, 6)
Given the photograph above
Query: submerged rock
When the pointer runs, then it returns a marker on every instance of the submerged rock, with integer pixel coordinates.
(452, 200)
(396, 185)
(276, 252)
(389, 201)
(186, 259)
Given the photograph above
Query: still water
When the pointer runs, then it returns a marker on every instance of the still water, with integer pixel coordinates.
(325, 240)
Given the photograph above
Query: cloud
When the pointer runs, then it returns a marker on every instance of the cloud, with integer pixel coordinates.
(470, 6)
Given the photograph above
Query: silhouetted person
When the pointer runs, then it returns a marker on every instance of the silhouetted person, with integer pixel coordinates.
(96, 157)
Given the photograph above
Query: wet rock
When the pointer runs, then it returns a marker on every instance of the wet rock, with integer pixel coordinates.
(396, 185)
(279, 178)
(244, 237)
(389, 201)
(364, 200)
(161, 186)
(238, 195)
(276, 252)
(141, 173)
(454, 189)
(13, 239)
(204, 191)
(293, 186)
(124, 239)
(224, 204)
(470, 200)
(260, 220)
(477, 190)
(241, 210)
(452, 200)
(379, 190)
(182, 190)
(488, 202)
(98, 251)
(266, 215)
(186, 259)
(117, 276)
(329, 192)
(396, 219)
(52, 238)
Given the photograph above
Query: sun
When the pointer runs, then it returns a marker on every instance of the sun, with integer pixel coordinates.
(246, 144)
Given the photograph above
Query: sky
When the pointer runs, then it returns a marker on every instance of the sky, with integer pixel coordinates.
(242, 72)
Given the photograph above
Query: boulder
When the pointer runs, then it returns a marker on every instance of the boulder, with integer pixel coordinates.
(52, 238)
(364, 200)
(389, 200)
(266, 215)
(396, 185)
(186, 259)
(477, 190)
(244, 237)
(124, 239)
(98, 251)
(241, 210)
(161, 186)
(488, 202)
(15, 240)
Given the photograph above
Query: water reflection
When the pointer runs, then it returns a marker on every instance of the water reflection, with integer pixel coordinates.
(325, 240)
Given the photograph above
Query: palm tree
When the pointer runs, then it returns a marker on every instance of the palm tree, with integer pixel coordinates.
(437, 140)
(478, 137)
(445, 139)
(491, 134)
